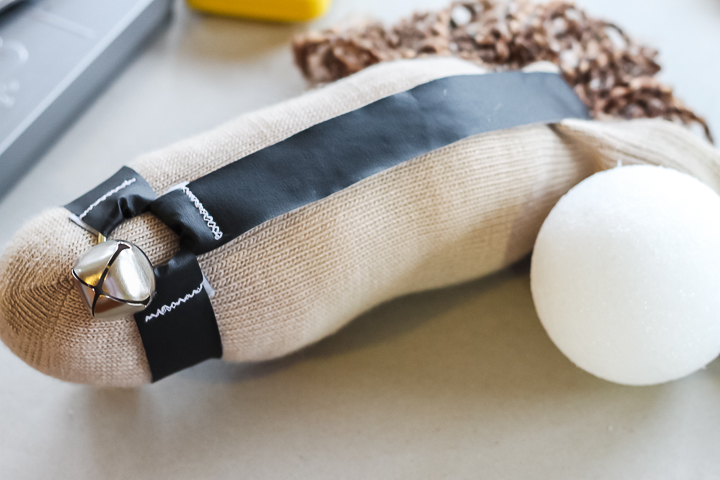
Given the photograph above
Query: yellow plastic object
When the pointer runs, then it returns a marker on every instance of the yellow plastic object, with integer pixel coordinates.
(277, 10)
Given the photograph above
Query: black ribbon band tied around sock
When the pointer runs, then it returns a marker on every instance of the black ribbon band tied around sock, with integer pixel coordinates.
(179, 329)
(335, 154)
(121, 197)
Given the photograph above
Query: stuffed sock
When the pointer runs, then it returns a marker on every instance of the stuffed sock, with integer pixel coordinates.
(454, 214)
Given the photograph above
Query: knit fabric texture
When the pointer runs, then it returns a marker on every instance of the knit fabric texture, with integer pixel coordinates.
(446, 217)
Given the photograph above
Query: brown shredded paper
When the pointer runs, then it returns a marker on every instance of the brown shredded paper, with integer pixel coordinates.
(612, 73)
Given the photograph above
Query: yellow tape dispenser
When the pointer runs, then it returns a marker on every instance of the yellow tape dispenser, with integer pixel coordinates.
(277, 10)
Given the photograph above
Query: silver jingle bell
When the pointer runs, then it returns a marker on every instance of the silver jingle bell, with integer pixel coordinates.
(115, 279)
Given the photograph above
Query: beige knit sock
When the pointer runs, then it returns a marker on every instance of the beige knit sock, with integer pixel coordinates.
(446, 217)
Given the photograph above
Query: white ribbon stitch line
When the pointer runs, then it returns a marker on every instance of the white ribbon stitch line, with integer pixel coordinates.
(217, 233)
(105, 197)
(173, 305)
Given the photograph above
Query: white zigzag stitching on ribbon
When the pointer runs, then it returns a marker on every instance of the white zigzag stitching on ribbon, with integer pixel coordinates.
(105, 197)
(173, 305)
(217, 233)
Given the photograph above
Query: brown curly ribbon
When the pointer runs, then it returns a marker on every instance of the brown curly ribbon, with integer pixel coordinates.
(610, 72)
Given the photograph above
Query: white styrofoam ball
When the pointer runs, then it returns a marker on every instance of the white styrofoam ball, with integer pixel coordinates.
(626, 275)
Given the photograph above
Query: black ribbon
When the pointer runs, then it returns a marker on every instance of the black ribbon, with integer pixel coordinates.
(123, 196)
(179, 328)
(339, 152)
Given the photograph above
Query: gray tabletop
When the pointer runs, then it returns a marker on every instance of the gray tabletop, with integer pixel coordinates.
(456, 383)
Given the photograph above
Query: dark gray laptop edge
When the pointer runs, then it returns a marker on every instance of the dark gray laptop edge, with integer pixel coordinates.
(26, 148)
